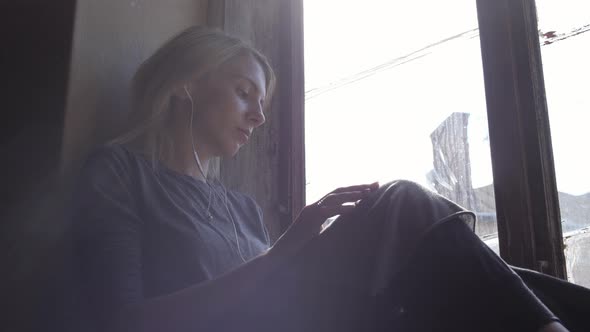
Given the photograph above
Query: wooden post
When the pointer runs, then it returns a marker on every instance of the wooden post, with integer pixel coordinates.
(292, 104)
(524, 177)
(271, 166)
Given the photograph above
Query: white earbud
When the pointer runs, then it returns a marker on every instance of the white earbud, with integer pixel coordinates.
(188, 93)
(198, 161)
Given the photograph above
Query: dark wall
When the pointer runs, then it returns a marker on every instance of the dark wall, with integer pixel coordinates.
(36, 43)
(65, 71)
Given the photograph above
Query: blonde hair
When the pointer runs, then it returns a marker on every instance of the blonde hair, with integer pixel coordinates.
(193, 53)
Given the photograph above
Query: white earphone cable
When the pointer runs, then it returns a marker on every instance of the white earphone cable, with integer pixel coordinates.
(198, 161)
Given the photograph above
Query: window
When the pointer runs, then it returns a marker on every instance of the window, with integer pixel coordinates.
(398, 93)
(564, 30)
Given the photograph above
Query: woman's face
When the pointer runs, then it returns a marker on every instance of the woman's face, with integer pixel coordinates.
(228, 106)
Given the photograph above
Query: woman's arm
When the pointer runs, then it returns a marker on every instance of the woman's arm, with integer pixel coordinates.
(196, 307)
(200, 305)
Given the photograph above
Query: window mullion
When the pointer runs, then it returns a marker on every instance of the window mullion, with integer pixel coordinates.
(524, 176)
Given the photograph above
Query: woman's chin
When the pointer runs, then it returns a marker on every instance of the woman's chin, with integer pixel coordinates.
(231, 152)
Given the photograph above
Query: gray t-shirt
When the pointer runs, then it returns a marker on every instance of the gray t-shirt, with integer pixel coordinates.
(141, 231)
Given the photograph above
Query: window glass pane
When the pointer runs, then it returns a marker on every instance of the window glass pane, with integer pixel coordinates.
(395, 91)
(564, 29)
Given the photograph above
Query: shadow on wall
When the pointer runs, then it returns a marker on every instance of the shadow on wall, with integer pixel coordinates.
(111, 39)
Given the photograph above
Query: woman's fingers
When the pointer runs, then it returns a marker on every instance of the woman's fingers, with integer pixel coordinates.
(330, 211)
(348, 194)
(309, 222)
(338, 199)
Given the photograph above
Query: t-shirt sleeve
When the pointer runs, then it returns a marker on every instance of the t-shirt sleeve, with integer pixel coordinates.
(255, 217)
(107, 234)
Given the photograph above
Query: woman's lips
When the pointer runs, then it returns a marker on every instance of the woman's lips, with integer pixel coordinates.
(245, 135)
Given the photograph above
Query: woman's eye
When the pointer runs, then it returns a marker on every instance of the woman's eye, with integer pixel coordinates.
(243, 93)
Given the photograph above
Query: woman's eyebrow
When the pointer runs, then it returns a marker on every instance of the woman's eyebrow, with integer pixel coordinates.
(246, 78)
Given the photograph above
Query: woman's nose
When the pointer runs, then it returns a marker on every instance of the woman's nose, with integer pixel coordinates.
(257, 116)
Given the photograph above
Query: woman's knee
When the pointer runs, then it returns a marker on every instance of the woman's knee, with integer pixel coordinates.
(410, 208)
(403, 184)
(404, 193)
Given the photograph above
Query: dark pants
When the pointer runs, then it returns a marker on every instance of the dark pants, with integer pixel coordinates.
(405, 260)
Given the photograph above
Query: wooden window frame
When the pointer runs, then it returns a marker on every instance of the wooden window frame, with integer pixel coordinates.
(529, 227)
(527, 205)
(276, 28)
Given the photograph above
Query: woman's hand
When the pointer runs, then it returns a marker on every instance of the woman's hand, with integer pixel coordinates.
(309, 222)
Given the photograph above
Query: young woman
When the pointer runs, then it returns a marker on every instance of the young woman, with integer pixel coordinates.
(163, 247)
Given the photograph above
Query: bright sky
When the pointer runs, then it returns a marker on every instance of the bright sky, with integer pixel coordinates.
(378, 127)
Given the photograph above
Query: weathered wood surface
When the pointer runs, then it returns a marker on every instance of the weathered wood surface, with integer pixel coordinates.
(524, 178)
(271, 166)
